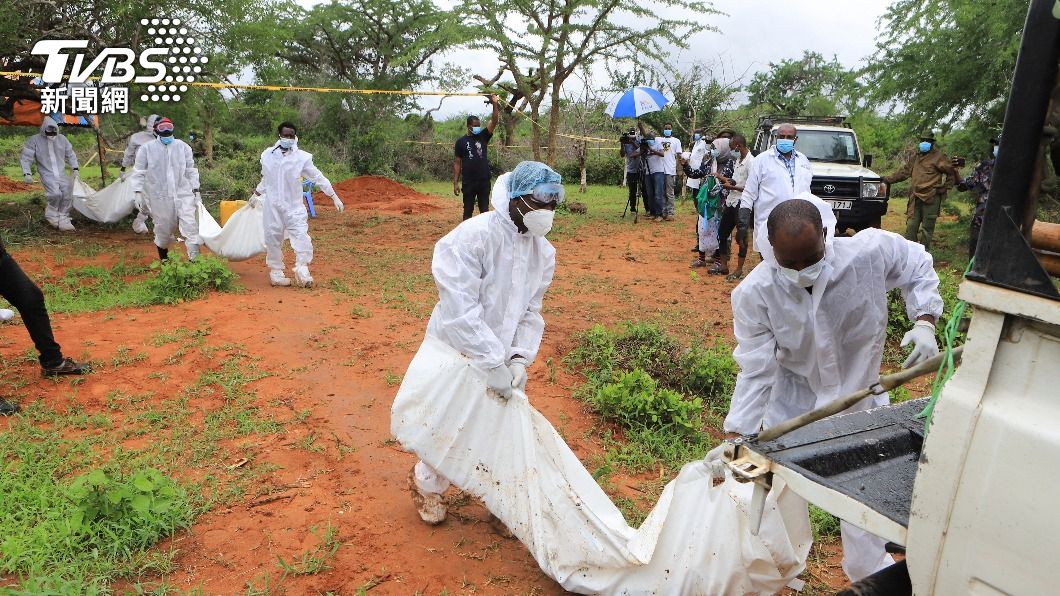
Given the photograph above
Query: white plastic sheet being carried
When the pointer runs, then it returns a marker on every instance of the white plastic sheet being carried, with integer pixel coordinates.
(242, 237)
(697, 540)
(110, 205)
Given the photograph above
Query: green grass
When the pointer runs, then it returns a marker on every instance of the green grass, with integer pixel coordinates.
(315, 559)
(80, 510)
(93, 287)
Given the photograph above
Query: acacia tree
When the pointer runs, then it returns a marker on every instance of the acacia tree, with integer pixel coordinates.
(541, 43)
(367, 44)
(809, 85)
(944, 61)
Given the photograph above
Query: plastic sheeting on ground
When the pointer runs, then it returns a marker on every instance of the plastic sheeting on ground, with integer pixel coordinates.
(242, 237)
(110, 205)
(696, 540)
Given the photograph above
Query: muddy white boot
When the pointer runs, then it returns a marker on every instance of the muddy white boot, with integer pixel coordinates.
(139, 225)
(430, 506)
(65, 225)
(193, 251)
(302, 278)
(277, 278)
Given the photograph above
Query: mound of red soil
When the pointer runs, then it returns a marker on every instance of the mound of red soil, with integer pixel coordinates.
(8, 185)
(377, 193)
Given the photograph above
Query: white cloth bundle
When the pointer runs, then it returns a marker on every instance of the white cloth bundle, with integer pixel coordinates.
(696, 540)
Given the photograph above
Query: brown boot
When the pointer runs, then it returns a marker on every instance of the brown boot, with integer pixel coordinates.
(430, 506)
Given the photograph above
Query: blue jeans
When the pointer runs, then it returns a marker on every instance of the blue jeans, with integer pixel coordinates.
(658, 199)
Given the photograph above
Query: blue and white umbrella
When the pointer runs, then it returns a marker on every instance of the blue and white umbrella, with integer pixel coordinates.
(636, 101)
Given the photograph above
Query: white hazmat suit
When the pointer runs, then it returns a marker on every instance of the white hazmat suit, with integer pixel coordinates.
(168, 179)
(491, 281)
(136, 141)
(52, 155)
(285, 211)
(799, 350)
(770, 183)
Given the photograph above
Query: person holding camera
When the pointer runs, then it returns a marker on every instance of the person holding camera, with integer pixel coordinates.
(635, 164)
(471, 166)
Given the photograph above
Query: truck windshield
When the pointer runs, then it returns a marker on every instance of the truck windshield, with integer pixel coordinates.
(828, 145)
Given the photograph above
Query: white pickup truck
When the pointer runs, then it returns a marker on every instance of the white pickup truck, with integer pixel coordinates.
(841, 173)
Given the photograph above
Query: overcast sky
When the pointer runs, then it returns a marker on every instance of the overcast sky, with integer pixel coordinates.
(752, 34)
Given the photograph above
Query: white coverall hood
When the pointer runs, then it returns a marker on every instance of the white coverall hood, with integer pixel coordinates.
(799, 350)
(51, 156)
(167, 176)
(491, 281)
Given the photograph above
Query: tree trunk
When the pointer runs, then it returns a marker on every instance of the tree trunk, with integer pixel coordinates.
(553, 122)
(582, 151)
(535, 114)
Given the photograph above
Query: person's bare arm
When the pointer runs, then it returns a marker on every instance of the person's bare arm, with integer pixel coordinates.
(456, 176)
(496, 117)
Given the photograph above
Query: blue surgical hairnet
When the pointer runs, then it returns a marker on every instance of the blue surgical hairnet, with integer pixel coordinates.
(528, 175)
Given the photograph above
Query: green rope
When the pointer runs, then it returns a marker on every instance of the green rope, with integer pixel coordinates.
(947, 367)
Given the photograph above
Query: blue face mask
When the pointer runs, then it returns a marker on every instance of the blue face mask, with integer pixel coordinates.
(667, 133)
(785, 145)
(924, 146)
(286, 143)
(995, 150)
(476, 129)
(697, 137)
(166, 140)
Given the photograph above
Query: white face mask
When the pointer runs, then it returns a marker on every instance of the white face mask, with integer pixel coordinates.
(539, 221)
(804, 278)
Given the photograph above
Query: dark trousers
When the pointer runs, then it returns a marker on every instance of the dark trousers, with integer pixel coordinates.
(733, 218)
(476, 191)
(634, 182)
(18, 289)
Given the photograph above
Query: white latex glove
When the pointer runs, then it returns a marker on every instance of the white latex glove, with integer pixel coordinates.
(499, 382)
(77, 173)
(254, 201)
(198, 196)
(338, 203)
(138, 200)
(27, 178)
(715, 460)
(124, 175)
(518, 370)
(922, 336)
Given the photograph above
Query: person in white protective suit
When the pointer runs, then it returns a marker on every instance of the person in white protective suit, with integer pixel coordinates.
(136, 141)
(166, 182)
(283, 166)
(52, 152)
(810, 329)
(492, 272)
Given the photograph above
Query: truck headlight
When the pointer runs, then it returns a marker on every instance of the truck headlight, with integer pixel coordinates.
(871, 190)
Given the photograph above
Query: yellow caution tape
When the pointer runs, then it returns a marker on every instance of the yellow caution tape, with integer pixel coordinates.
(348, 90)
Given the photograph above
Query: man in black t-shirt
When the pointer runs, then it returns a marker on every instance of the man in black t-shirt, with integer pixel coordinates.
(471, 166)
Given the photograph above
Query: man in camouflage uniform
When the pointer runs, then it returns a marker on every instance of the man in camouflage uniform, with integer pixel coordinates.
(931, 174)
(979, 183)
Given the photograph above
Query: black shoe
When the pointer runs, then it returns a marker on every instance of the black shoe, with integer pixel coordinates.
(66, 367)
(8, 408)
(163, 253)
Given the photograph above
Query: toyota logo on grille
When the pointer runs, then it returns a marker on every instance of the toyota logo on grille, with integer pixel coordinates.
(829, 188)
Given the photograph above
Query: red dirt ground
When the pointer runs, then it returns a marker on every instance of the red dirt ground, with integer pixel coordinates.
(335, 351)
(377, 193)
(8, 185)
